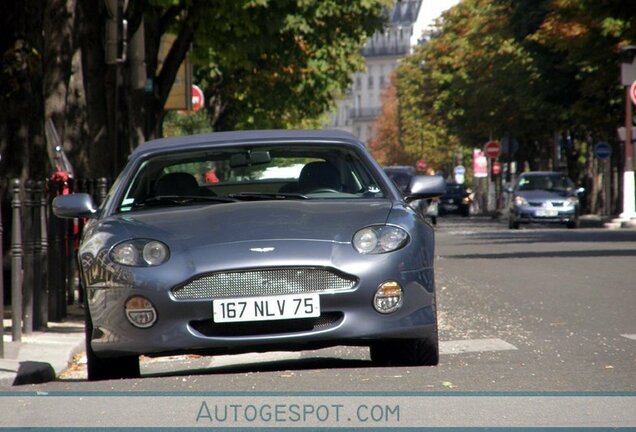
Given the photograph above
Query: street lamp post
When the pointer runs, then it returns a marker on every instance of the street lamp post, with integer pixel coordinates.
(628, 76)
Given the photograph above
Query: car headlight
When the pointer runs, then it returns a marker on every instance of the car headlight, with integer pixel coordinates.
(572, 201)
(379, 239)
(521, 201)
(140, 253)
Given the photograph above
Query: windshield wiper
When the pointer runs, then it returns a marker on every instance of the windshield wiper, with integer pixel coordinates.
(258, 196)
(180, 200)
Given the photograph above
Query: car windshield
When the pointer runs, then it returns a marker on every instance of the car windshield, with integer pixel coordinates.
(545, 183)
(250, 173)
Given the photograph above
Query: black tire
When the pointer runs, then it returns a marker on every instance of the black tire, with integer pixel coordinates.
(408, 352)
(512, 224)
(573, 224)
(107, 368)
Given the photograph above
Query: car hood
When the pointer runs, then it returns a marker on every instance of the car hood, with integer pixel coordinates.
(543, 195)
(252, 221)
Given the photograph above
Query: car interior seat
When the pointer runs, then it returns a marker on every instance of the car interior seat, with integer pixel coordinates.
(319, 175)
(178, 183)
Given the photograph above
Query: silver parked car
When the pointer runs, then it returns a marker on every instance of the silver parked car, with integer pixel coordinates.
(544, 197)
(254, 241)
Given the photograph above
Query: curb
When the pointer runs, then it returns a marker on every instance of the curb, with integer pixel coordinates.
(41, 355)
(15, 372)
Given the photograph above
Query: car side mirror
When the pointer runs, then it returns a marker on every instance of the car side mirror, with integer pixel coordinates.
(424, 187)
(77, 205)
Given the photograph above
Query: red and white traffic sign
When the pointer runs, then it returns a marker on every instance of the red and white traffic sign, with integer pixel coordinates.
(496, 168)
(197, 98)
(632, 92)
(420, 165)
(492, 149)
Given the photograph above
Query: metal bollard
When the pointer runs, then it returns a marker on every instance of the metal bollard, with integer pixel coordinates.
(16, 264)
(27, 261)
(102, 189)
(54, 261)
(40, 286)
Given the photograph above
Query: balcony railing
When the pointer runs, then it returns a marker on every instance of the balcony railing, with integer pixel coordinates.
(385, 50)
(364, 113)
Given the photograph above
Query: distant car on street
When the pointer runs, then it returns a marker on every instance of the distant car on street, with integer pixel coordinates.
(266, 258)
(544, 197)
(456, 200)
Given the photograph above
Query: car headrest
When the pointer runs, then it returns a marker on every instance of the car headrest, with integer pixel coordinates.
(319, 175)
(178, 183)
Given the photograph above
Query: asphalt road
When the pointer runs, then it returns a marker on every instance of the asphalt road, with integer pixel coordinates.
(538, 309)
(537, 328)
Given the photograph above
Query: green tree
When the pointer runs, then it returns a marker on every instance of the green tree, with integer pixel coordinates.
(262, 63)
(528, 70)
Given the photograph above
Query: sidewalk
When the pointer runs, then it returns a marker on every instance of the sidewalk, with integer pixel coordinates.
(42, 355)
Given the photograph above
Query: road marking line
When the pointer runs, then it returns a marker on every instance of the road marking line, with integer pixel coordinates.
(248, 358)
(629, 336)
(474, 345)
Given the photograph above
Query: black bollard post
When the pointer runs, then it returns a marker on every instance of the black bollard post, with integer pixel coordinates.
(27, 261)
(40, 292)
(54, 261)
(102, 189)
(43, 257)
(16, 264)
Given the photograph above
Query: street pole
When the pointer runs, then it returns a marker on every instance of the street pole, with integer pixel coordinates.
(629, 192)
(628, 76)
(1, 290)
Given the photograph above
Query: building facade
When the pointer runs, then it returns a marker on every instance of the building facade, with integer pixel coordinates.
(357, 111)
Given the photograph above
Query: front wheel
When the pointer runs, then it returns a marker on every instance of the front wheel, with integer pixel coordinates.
(107, 368)
(408, 352)
(512, 224)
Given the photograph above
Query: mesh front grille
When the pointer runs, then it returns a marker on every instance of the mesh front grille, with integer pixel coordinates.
(251, 283)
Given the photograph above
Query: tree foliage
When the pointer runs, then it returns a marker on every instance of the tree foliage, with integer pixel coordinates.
(522, 70)
(262, 64)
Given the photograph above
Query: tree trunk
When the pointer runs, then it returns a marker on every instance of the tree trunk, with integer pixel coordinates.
(59, 27)
(22, 147)
(92, 153)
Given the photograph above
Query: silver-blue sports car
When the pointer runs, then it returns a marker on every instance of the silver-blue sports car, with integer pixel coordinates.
(254, 241)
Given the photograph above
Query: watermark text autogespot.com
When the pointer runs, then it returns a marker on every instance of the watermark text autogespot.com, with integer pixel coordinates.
(277, 413)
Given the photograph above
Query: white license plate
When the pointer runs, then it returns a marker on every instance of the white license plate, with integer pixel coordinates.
(547, 213)
(243, 309)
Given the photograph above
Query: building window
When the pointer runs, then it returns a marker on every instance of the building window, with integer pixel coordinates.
(370, 82)
(358, 82)
(382, 82)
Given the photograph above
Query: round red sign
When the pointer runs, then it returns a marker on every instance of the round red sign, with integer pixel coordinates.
(197, 98)
(492, 149)
(632, 92)
(421, 165)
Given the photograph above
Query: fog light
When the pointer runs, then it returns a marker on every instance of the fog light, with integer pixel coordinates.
(140, 312)
(388, 297)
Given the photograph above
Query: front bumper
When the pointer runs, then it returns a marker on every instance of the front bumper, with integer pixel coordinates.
(347, 318)
(528, 214)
